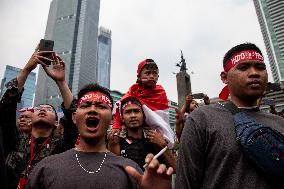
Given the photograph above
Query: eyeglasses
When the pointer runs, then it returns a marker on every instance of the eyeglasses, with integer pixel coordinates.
(31, 109)
(46, 108)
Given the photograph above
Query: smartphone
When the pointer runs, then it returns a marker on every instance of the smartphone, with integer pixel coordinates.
(46, 45)
(273, 87)
(198, 96)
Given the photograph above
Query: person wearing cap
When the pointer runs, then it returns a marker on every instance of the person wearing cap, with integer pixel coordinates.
(153, 99)
(23, 152)
(209, 154)
(136, 139)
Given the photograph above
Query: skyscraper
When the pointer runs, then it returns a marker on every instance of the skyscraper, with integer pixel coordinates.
(270, 14)
(73, 25)
(29, 87)
(104, 57)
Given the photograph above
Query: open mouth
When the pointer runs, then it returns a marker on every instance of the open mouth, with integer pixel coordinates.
(92, 122)
(41, 114)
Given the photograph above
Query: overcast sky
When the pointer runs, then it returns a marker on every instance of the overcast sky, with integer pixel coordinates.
(204, 30)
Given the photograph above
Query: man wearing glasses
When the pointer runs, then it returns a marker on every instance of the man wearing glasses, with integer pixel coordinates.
(23, 152)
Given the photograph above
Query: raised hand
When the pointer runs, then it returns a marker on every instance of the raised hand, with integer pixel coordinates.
(37, 58)
(206, 99)
(57, 72)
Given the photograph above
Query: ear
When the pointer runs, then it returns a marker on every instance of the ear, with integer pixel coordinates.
(74, 117)
(224, 76)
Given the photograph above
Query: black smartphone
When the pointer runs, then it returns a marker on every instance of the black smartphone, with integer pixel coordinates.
(46, 45)
(273, 87)
(198, 96)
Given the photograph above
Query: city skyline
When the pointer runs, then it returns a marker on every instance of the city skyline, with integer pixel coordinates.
(73, 25)
(203, 30)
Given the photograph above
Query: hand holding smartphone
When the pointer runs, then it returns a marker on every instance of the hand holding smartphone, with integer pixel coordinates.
(46, 45)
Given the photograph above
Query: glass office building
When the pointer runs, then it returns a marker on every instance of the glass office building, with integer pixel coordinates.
(29, 87)
(104, 57)
(73, 25)
(270, 14)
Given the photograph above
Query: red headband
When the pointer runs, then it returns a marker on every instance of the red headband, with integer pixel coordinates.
(248, 55)
(128, 103)
(95, 96)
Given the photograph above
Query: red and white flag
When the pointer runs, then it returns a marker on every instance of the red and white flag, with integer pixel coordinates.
(155, 106)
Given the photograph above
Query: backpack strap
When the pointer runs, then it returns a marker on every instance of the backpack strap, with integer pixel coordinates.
(241, 120)
(232, 107)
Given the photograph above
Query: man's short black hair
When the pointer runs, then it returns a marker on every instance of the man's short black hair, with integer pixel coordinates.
(239, 48)
(56, 116)
(94, 87)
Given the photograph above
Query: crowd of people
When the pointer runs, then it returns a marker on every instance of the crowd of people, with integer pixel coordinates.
(128, 144)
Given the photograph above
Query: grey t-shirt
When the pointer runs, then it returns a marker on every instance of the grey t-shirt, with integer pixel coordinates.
(63, 171)
(209, 155)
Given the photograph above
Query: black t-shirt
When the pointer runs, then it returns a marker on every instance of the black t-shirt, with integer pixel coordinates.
(136, 149)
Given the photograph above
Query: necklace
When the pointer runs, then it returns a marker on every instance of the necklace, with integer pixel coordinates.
(91, 172)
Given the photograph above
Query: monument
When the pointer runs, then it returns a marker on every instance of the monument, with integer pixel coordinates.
(183, 82)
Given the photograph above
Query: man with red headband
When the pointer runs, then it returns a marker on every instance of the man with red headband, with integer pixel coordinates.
(90, 164)
(210, 155)
(136, 139)
(153, 98)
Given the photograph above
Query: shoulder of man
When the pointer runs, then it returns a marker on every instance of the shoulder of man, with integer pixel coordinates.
(209, 109)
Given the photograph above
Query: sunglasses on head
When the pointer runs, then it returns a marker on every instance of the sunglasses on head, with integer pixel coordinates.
(46, 108)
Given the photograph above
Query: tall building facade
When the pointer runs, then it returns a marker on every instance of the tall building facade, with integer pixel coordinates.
(29, 87)
(104, 57)
(73, 25)
(270, 14)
